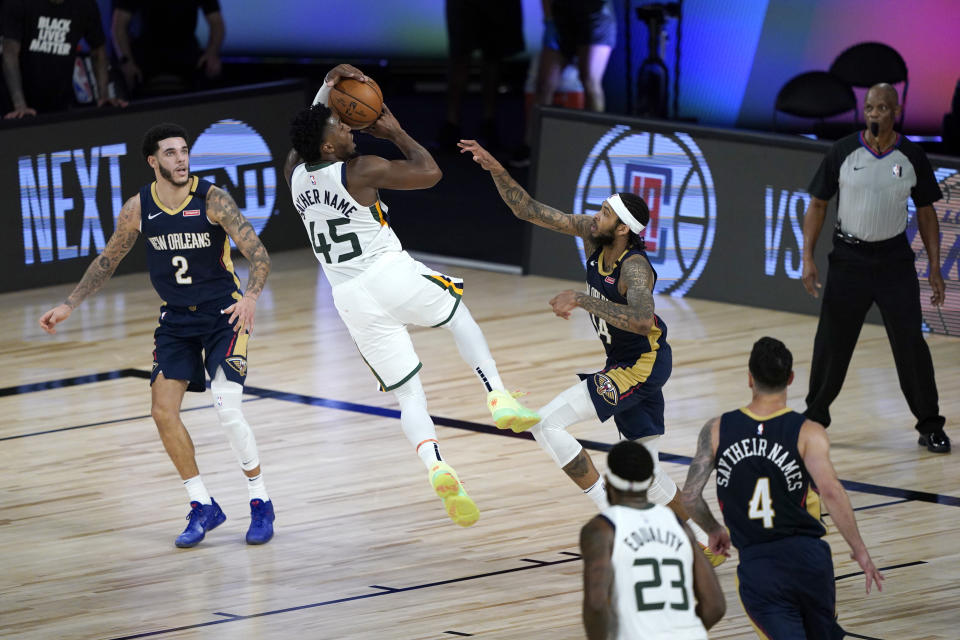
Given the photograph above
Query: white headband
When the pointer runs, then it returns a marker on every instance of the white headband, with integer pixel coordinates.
(628, 485)
(624, 214)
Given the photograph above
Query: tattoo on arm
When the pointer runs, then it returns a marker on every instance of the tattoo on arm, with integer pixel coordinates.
(222, 209)
(637, 315)
(700, 469)
(526, 208)
(119, 245)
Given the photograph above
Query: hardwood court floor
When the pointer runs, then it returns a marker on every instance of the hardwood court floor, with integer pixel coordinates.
(90, 503)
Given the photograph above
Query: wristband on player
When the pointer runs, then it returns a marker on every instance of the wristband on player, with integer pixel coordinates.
(323, 96)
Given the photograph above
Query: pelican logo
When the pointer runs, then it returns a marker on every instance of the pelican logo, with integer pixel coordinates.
(233, 156)
(238, 364)
(606, 389)
(669, 171)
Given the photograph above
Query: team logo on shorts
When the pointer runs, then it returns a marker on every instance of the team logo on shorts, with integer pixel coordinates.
(606, 389)
(238, 364)
(670, 173)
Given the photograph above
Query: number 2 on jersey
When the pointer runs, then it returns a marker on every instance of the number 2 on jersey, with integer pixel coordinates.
(322, 247)
(761, 506)
(181, 275)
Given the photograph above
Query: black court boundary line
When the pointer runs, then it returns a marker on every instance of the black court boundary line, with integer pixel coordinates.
(852, 485)
(890, 568)
(234, 617)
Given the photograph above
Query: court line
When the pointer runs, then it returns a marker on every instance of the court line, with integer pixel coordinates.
(316, 401)
(890, 568)
(233, 617)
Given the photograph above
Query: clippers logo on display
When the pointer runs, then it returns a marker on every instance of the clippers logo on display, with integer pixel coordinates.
(670, 173)
(946, 319)
(233, 156)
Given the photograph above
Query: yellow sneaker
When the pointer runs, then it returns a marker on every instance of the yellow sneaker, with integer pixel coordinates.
(715, 560)
(460, 507)
(510, 414)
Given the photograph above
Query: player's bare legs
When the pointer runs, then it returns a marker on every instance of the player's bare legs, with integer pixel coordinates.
(582, 471)
(167, 396)
(591, 63)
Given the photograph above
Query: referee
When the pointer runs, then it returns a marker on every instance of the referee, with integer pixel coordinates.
(874, 172)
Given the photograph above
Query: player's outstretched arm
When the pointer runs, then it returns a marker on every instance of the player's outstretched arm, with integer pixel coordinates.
(711, 605)
(520, 202)
(596, 547)
(692, 493)
(636, 316)
(814, 447)
(224, 211)
(100, 270)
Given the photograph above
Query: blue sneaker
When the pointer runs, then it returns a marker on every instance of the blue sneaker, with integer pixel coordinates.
(261, 522)
(202, 518)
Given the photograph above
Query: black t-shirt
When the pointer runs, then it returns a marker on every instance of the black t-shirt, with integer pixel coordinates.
(48, 33)
(167, 30)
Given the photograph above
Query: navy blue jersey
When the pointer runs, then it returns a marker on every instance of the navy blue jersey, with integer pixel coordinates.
(187, 255)
(763, 487)
(621, 346)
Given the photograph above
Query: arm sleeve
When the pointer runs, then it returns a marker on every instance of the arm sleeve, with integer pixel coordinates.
(826, 180)
(926, 191)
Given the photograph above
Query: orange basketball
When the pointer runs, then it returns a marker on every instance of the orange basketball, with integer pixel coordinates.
(357, 103)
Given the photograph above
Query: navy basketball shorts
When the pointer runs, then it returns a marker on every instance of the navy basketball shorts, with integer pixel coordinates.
(632, 392)
(190, 339)
(787, 589)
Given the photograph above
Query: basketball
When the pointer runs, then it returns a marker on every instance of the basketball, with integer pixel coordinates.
(357, 103)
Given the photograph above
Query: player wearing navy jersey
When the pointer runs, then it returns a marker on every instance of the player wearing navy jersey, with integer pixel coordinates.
(773, 469)
(620, 303)
(377, 288)
(205, 320)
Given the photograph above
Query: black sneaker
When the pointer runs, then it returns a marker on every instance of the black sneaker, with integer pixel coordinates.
(935, 441)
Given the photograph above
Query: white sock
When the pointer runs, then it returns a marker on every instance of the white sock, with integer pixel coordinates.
(474, 349)
(429, 452)
(256, 488)
(196, 490)
(598, 493)
(698, 533)
(416, 422)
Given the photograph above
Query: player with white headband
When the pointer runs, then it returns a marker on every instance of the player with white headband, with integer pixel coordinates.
(637, 558)
(629, 387)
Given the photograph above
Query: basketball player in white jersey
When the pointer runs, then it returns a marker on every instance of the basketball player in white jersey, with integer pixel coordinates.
(378, 289)
(643, 574)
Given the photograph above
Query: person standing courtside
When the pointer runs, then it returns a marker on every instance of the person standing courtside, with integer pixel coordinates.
(771, 463)
(641, 575)
(874, 171)
(378, 289)
(205, 319)
(620, 302)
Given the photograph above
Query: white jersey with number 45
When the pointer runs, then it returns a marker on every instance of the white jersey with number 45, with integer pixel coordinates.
(653, 575)
(346, 237)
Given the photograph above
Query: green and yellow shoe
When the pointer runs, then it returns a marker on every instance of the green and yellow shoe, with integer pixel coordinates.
(508, 413)
(459, 506)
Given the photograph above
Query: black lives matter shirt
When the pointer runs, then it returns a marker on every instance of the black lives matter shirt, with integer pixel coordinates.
(49, 33)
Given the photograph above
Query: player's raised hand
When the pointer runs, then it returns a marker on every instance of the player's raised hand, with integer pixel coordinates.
(344, 71)
(480, 155)
(242, 311)
(386, 126)
(55, 316)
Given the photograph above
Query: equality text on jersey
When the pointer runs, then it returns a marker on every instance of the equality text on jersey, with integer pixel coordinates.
(645, 535)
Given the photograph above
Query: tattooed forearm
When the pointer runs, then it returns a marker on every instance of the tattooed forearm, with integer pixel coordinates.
(222, 208)
(119, 245)
(700, 469)
(526, 208)
(637, 315)
(620, 316)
